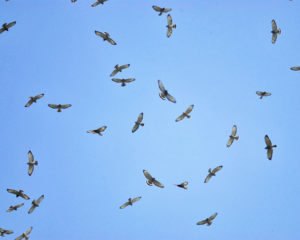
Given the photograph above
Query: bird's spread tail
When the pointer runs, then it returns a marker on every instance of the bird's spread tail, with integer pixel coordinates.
(123, 84)
(59, 110)
(261, 97)
(36, 163)
(236, 137)
(188, 116)
(274, 146)
(174, 26)
(279, 31)
(142, 124)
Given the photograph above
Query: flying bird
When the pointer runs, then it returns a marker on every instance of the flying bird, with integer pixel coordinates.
(207, 221)
(31, 163)
(275, 31)
(185, 114)
(164, 93)
(138, 123)
(130, 202)
(14, 208)
(98, 2)
(161, 10)
(73, 0)
(295, 68)
(119, 69)
(36, 203)
(263, 94)
(123, 80)
(18, 193)
(6, 26)
(269, 147)
(212, 173)
(182, 185)
(105, 37)
(98, 130)
(170, 26)
(4, 231)
(33, 99)
(24, 234)
(59, 107)
(233, 136)
(152, 180)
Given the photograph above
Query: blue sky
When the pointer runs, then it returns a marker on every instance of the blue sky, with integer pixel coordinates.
(219, 55)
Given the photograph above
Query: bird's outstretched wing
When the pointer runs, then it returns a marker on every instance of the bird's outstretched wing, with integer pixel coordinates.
(170, 21)
(31, 209)
(230, 141)
(54, 106)
(207, 178)
(140, 118)
(30, 169)
(274, 26)
(39, 96)
(112, 42)
(171, 98)
(114, 73)
(274, 37)
(147, 175)
(30, 157)
(234, 130)
(295, 68)
(1, 30)
(161, 86)
(12, 191)
(212, 217)
(180, 118)
(259, 93)
(270, 153)
(124, 205)
(117, 80)
(268, 141)
(28, 230)
(158, 184)
(169, 32)
(65, 106)
(129, 80)
(156, 8)
(11, 24)
(167, 10)
(102, 129)
(136, 199)
(124, 66)
(23, 195)
(100, 34)
(135, 127)
(41, 198)
(20, 237)
(29, 103)
(190, 108)
(202, 222)
(217, 169)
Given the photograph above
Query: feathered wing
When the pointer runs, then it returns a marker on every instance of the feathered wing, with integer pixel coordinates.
(171, 98)
(11, 24)
(31, 209)
(102, 129)
(268, 141)
(234, 130)
(161, 86)
(217, 169)
(147, 175)
(156, 8)
(274, 37)
(140, 118)
(112, 42)
(169, 32)
(39, 96)
(230, 141)
(54, 106)
(270, 153)
(2, 30)
(19, 205)
(124, 66)
(295, 68)
(212, 217)
(30, 157)
(117, 80)
(167, 10)
(268, 94)
(65, 106)
(158, 184)
(129, 80)
(124, 205)
(180, 118)
(23, 195)
(259, 93)
(170, 21)
(30, 169)
(207, 178)
(274, 26)
(29, 103)
(41, 198)
(136, 199)
(202, 222)
(114, 73)
(28, 230)
(190, 108)
(95, 4)
(135, 127)
(12, 191)
(100, 34)
(20, 237)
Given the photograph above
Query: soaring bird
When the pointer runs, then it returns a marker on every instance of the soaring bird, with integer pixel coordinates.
(263, 94)
(14, 208)
(18, 193)
(130, 202)
(105, 37)
(161, 10)
(170, 25)
(233, 136)
(275, 31)
(98, 2)
(138, 123)
(164, 93)
(73, 0)
(59, 107)
(33, 99)
(212, 173)
(269, 147)
(98, 130)
(123, 81)
(119, 69)
(185, 114)
(4, 231)
(207, 221)
(182, 185)
(24, 234)
(31, 163)
(152, 180)
(36, 203)
(6, 26)
(295, 68)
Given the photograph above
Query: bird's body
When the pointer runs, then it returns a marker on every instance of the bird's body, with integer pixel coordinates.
(275, 31)
(98, 130)
(233, 136)
(6, 27)
(138, 122)
(130, 202)
(170, 26)
(212, 173)
(152, 180)
(119, 69)
(18, 193)
(269, 147)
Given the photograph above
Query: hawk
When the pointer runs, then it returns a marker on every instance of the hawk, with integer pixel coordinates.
(98, 130)
(6, 26)
(295, 68)
(98, 2)
(105, 37)
(31, 163)
(14, 208)
(130, 202)
(207, 221)
(18, 193)
(152, 180)
(275, 31)
(59, 107)
(269, 147)
(164, 93)
(119, 69)
(170, 26)
(233, 136)
(36, 203)
(185, 114)
(123, 81)
(263, 94)
(212, 173)
(24, 234)
(138, 123)
(161, 10)
(33, 99)
(182, 185)
(4, 231)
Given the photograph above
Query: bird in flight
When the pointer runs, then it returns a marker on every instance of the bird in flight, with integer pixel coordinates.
(138, 123)
(31, 163)
(106, 37)
(207, 221)
(123, 81)
(130, 202)
(25, 234)
(18, 193)
(33, 99)
(295, 68)
(170, 26)
(36, 203)
(164, 93)
(185, 114)
(233, 136)
(161, 10)
(152, 180)
(269, 147)
(14, 208)
(263, 94)
(6, 26)
(59, 107)
(119, 69)
(4, 231)
(275, 31)
(98, 2)
(98, 130)
(212, 173)
(182, 185)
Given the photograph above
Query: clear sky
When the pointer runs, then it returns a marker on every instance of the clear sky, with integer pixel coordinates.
(219, 55)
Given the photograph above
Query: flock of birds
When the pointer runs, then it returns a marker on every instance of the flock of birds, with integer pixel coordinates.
(163, 94)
